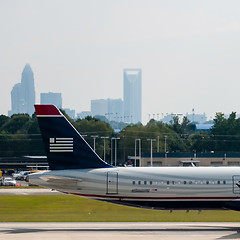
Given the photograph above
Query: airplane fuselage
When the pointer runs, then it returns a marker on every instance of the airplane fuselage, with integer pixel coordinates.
(151, 187)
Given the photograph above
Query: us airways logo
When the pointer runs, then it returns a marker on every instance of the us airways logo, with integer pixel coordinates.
(60, 145)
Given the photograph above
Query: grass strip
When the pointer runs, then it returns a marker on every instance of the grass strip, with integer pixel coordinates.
(69, 208)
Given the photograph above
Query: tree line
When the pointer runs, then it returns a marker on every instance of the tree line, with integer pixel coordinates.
(20, 136)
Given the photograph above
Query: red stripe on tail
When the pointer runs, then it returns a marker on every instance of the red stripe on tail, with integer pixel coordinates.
(45, 110)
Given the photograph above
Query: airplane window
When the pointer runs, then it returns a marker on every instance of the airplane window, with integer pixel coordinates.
(190, 182)
(207, 182)
(133, 182)
(150, 182)
(179, 182)
(173, 182)
(139, 182)
(218, 182)
(145, 182)
(167, 182)
(184, 182)
(224, 182)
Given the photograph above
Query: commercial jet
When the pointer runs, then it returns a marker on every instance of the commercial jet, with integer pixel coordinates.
(76, 169)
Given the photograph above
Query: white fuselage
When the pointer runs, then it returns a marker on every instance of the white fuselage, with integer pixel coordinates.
(155, 187)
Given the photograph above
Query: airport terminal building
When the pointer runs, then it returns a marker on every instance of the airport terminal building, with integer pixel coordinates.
(158, 160)
(188, 159)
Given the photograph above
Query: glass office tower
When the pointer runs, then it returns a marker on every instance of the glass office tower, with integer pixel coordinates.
(132, 95)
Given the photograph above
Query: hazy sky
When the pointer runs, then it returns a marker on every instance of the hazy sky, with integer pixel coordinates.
(188, 50)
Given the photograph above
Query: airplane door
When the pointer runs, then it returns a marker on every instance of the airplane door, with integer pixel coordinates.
(112, 183)
(236, 184)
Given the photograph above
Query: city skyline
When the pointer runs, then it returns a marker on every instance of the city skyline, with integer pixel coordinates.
(188, 52)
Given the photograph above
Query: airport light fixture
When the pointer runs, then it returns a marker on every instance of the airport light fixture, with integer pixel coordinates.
(114, 138)
(151, 140)
(165, 144)
(158, 144)
(139, 147)
(104, 148)
(94, 141)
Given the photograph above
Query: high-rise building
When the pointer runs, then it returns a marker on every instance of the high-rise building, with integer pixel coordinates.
(70, 112)
(115, 110)
(23, 94)
(99, 107)
(112, 109)
(132, 95)
(51, 98)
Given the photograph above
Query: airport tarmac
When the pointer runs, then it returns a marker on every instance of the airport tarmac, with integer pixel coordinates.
(28, 191)
(119, 231)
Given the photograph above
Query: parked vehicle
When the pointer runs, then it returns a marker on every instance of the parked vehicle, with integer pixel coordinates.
(8, 182)
(21, 175)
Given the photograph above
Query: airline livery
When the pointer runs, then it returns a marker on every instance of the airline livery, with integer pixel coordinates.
(75, 168)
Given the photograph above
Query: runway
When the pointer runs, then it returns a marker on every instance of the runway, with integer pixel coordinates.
(119, 231)
(28, 191)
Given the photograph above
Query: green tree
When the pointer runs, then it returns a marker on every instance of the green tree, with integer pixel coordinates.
(226, 133)
(16, 124)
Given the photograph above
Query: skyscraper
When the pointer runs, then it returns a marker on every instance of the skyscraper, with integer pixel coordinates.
(132, 95)
(112, 109)
(99, 107)
(51, 98)
(23, 94)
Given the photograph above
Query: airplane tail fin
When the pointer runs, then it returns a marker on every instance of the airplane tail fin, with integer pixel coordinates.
(64, 146)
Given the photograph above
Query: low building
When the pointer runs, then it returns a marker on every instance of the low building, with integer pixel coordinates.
(24, 163)
(186, 159)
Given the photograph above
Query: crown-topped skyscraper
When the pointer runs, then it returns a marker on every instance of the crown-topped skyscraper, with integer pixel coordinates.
(23, 94)
(132, 95)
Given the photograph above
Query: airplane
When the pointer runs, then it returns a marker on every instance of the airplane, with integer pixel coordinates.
(75, 168)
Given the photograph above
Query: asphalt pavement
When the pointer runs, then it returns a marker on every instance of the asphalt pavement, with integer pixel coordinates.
(119, 231)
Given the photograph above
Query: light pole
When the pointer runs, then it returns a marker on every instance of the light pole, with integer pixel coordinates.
(124, 153)
(158, 144)
(165, 144)
(139, 154)
(111, 151)
(104, 148)
(94, 140)
(151, 139)
(115, 149)
(165, 150)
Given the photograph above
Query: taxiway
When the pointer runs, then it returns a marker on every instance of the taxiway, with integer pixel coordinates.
(119, 231)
